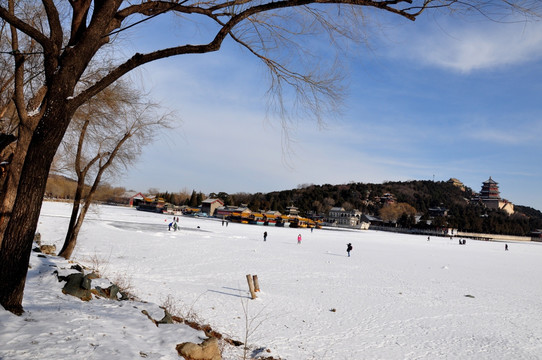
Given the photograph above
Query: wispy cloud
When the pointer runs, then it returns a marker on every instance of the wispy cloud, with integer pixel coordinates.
(509, 132)
(466, 46)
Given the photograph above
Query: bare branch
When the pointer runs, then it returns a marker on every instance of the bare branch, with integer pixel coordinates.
(79, 19)
(24, 27)
(54, 23)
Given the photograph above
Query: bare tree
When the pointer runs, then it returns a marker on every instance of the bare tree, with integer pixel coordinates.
(328, 204)
(348, 206)
(317, 207)
(392, 212)
(74, 36)
(106, 136)
(18, 118)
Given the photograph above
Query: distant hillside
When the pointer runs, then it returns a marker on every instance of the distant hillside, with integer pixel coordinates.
(463, 214)
(62, 187)
(368, 198)
(529, 211)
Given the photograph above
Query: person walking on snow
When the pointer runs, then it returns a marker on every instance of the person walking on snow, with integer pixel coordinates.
(348, 248)
(299, 239)
(265, 236)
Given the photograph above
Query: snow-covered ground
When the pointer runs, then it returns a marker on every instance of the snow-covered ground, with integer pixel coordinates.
(397, 297)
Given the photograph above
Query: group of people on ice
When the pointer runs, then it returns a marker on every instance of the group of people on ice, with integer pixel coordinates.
(174, 224)
(299, 238)
(349, 245)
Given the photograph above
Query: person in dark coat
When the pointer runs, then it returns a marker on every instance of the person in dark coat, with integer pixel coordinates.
(505, 247)
(348, 248)
(265, 236)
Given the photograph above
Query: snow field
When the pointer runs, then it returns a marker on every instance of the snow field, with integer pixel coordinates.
(397, 296)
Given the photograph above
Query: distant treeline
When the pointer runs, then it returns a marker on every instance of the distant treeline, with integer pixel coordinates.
(463, 213)
(311, 200)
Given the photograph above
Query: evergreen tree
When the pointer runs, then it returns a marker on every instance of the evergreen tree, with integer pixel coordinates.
(193, 202)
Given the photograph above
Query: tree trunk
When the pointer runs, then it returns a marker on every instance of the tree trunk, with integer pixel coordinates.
(71, 234)
(19, 233)
(8, 193)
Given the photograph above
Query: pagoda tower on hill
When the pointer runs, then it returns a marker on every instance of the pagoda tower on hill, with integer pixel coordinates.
(490, 190)
(491, 197)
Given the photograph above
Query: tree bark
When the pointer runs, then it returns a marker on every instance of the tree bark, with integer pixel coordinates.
(15, 248)
(13, 175)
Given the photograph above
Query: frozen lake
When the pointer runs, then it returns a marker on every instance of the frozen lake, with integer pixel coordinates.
(397, 297)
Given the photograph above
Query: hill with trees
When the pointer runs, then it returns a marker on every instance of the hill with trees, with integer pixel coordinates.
(409, 204)
(462, 212)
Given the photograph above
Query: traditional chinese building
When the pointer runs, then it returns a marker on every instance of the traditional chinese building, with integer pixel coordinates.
(457, 183)
(490, 196)
(490, 190)
(292, 210)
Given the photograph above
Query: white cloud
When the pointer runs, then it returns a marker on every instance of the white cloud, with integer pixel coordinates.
(509, 132)
(466, 47)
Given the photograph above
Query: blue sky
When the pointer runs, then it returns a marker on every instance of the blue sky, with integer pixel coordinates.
(437, 98)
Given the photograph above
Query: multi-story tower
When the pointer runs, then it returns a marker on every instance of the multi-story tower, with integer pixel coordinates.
(490, 190)
(491, 197)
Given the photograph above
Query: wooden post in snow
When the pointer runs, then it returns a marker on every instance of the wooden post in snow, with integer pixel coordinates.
(251, 286)
(256, 283)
